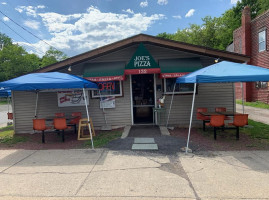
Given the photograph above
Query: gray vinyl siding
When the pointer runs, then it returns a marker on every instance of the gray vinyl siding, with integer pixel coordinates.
(209, 95)
(24, 103)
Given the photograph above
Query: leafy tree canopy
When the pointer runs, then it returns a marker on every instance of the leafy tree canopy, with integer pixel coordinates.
(16, 61)
(52, 56)
(217, 32)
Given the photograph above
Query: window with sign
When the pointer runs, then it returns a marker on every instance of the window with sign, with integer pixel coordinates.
(182, 88)
(108, 88)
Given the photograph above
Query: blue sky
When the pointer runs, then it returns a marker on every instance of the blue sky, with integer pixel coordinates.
(77, 26)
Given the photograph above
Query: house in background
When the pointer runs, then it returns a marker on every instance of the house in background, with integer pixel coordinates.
(251, 39)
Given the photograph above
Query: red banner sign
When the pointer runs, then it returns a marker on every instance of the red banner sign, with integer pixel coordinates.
(173, 75)
(106, 78)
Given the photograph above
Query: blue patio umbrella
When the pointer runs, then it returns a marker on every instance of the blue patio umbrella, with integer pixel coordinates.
(46, 81)
(5, 93)
(49, 81)
(223, 72)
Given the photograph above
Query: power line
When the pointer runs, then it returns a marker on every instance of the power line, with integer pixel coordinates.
(35, 49)
(27, 30)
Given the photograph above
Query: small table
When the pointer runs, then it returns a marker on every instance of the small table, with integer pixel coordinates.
(157, 111)
(228, 113)
(68, 117)
(209, 113)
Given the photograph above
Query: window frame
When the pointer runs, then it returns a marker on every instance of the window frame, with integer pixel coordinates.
(259, 42)
(183, 92)
(114, 95)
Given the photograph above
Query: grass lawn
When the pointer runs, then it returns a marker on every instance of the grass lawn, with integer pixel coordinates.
(3, 102)
(104, 137)
(7, 136)
(256, 104)
(259, 130)
(255, 135)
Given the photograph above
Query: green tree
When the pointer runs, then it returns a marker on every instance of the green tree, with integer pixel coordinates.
(52, 56)
(263, 5)
(4, 40)
(15, 61)
(218, 32)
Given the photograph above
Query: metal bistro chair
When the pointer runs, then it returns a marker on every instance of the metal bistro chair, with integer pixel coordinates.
(75, 121)
(199, 116)
(216, 121)
(60, 124)
(40, 125)
(240, 120)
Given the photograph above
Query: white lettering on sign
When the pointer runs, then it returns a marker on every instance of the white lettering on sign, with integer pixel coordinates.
(142, 61)
(142, 71)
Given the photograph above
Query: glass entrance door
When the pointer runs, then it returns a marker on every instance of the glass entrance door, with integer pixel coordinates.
(143, 98)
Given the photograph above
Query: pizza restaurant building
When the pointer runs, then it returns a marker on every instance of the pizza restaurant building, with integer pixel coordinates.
(132, 74)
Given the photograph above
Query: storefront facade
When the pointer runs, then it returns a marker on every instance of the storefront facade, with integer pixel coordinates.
(132, 75)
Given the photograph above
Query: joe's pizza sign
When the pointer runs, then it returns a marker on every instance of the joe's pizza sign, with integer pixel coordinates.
(142, 63)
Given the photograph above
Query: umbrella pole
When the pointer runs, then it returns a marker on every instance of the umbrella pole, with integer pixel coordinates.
(243, 102)
(89, 124)
(36, 102)
(193, 99)
(168, 117)
(8, 100)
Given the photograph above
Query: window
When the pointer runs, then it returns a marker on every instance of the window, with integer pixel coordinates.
(108, 88)
(262, 41)
(182, 88)
(261, 84)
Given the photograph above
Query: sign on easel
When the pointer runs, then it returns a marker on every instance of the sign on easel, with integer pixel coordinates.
(107, 102)
(71, 98)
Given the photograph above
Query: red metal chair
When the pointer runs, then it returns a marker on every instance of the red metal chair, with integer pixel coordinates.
(60, 124)
(240, 120)
(75, 121)
(222, 109)
(59, 114)
(216, 121)
(199, 116)
(40, 125)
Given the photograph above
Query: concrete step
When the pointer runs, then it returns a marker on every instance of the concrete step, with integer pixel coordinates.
(144, 147)
(144, 141)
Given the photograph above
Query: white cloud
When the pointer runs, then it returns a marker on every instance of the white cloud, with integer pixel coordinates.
(41, 6)
(4, 3)
(162, 2)
(177, 17)
(144, 4)
(190, 13)
(234, 1)
(32, 24)
(6, 19)
(77, 33)
(29, 10)
(128, 11)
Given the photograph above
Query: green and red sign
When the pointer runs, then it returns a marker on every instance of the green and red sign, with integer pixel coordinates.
(142, 62)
